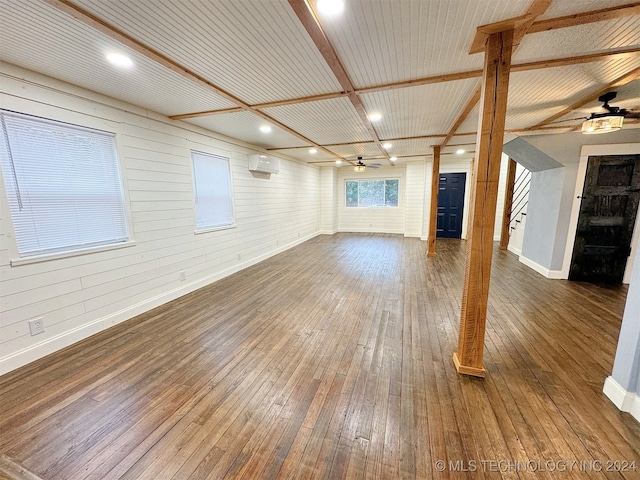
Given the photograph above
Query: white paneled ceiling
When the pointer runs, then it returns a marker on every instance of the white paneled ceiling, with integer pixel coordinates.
(246, 47)
(38, 37)
(571, 7)
(231, 123)
(316, 79)
(382, 42)
(327, 121)
(539, 94)
(422, 110)
(574, 41)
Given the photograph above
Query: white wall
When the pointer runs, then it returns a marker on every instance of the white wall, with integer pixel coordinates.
(414, 199)
(81, 295)
(328, 200)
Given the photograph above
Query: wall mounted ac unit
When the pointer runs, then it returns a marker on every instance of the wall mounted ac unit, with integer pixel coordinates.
(264, 163)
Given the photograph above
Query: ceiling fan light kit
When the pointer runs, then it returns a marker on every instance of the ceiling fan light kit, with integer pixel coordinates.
(605, 124)
(609, 121)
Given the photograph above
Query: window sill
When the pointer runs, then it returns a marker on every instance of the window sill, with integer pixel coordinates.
(75, 253)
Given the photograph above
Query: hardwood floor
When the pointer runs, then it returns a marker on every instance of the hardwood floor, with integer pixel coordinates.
(333, 360)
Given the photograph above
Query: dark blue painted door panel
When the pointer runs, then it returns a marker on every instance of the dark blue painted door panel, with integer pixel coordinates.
(450, 205)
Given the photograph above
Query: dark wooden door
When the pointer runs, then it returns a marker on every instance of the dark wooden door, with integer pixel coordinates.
(607, 215)
(450, 205)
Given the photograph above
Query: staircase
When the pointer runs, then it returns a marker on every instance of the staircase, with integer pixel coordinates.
(518, 216)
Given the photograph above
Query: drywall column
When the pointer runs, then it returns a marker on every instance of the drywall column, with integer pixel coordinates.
(623, 386)
(508, 203)
(433, 211)
(495, 84)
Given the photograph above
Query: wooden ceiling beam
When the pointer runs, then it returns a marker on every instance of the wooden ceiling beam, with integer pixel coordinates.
(447, 77)
(525, 24)
(307, 16)
(593, 95)
(586, 17)
(206, 113)
(121, 37)
(473, 101)
(520, 25)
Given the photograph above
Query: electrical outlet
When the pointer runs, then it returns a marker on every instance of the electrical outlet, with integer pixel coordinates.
(239, 257)
(36, 326)
(183, 275)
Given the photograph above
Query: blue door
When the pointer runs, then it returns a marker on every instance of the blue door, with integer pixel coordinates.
(450, 205)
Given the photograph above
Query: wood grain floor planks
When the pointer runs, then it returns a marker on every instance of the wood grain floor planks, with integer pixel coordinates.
(333, 360)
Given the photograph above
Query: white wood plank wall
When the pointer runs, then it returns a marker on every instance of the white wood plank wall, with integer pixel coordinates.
(414, 199)
(329, 200)
(81, 295)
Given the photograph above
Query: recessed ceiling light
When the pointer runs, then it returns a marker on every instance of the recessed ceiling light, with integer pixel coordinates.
(265, 129)
(338, 162)
(387, 145)
(120, 60)
(460, 151)
(393, 159)
(313, 151)
(330, 7)
(375, 117)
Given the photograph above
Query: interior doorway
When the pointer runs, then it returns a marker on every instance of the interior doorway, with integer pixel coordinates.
(606, 219)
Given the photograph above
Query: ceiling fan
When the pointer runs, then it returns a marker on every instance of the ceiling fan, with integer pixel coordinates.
(610, 120)
(360, 165)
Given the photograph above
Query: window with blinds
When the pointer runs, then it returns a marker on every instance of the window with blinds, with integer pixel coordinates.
(212, 188)
(63, 185)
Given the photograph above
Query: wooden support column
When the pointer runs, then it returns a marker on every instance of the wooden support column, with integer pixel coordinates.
(475, 293)
(508, 205)
(472, 189)
(433, 211)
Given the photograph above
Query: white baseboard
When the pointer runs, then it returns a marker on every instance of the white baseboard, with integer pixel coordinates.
(625, 401)
(515, 250)
(327, 232)
(554, 274)
(34, 352)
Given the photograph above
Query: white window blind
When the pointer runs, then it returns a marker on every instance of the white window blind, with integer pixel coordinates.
(63, 185)
(212, 187)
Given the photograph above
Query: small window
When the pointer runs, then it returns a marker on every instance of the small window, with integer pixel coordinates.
(212, 187)
(372, 193)
(63, 185)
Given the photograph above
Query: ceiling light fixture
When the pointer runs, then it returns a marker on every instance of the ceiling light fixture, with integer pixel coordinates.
(387, 145)
(608, 121)
(265, 129)
(359, 168)
(120, 60)
(602, 123)
(460, 151)
(375, 117)
(330, 7)
(393, 159)
(313, 151)
(338, 162)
